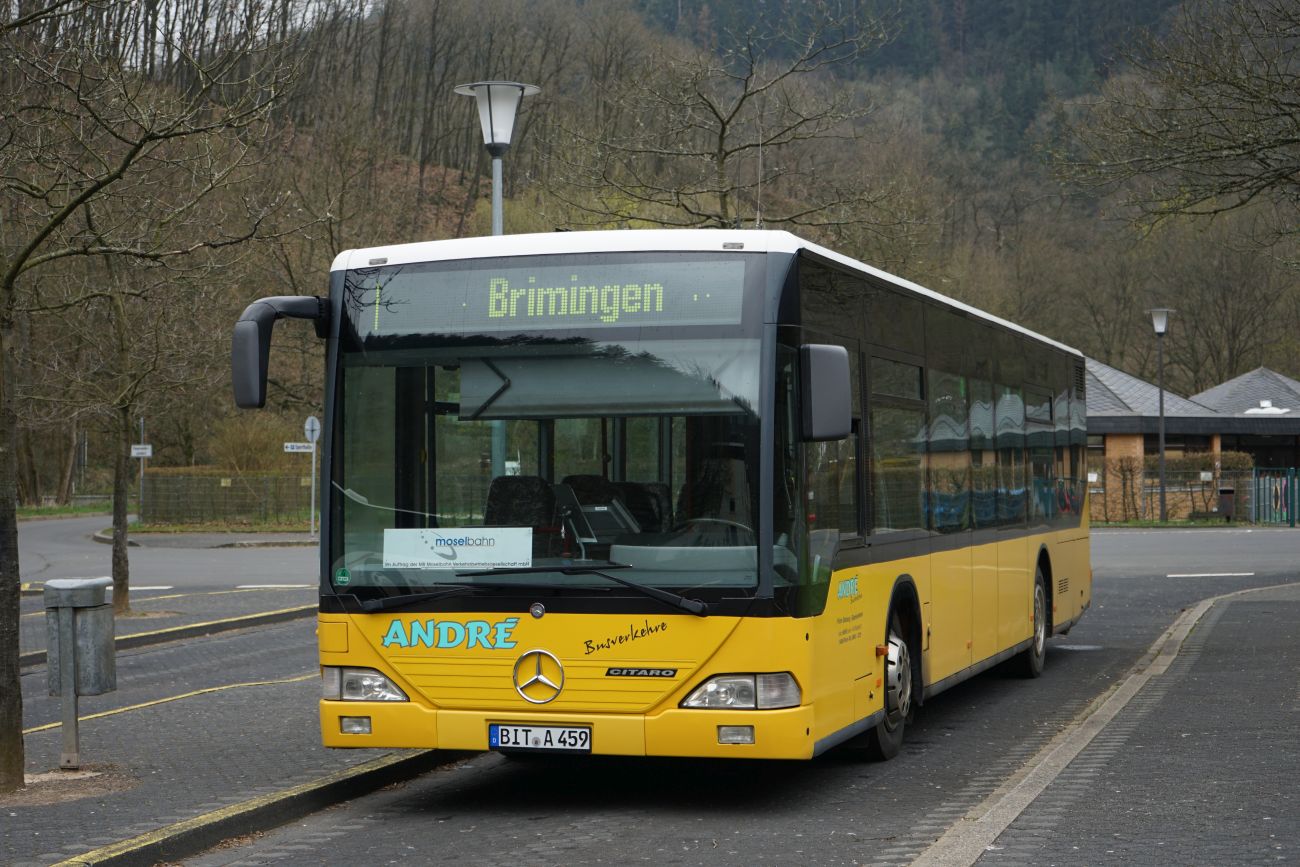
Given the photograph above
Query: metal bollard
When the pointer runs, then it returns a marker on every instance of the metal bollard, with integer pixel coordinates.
(79, 650)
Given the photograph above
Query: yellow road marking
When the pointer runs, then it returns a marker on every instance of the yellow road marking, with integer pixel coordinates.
(171, 698)
(144, 599)
(190, 627)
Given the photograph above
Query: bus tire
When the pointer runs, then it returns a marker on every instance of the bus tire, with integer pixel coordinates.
(1033, 658)
(886, 739)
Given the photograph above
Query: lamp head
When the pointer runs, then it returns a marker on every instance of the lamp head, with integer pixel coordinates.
(498, 102)
(1160, 320)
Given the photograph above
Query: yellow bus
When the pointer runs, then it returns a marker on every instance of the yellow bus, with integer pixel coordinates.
(674, 493)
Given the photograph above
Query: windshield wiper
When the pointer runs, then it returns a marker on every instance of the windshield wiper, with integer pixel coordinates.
(361, 500)
(691, 606)
(383, 604)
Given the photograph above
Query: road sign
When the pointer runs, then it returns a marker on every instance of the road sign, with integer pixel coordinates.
(312, 428)
(141, 451)
(299, 447)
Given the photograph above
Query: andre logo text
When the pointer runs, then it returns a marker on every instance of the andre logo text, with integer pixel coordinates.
(446, 634)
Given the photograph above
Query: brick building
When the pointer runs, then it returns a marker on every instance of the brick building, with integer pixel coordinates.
(1257, 413)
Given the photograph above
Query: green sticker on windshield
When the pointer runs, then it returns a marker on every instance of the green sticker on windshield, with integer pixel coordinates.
(342, 577)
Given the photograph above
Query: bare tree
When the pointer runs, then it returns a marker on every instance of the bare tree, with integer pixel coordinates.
(1206, 121)
(703, 139)
(1230, 298)
(81, 119)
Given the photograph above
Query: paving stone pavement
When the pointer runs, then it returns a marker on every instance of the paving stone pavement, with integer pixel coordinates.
(243, 723)
(1190, 772)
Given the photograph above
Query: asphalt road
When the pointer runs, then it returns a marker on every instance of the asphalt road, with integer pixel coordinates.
(63, 548)
(838, 809)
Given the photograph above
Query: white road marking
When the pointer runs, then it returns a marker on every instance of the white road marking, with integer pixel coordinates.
(1211, 575)
(271, 586)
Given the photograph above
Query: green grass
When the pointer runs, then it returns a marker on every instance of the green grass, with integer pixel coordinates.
(1169, 524)
(226, 527)
(64, 511)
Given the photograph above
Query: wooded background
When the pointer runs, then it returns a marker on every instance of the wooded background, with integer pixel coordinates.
(166, 162)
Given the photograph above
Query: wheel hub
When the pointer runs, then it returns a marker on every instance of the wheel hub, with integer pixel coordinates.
(898, 681)
(1040, 619)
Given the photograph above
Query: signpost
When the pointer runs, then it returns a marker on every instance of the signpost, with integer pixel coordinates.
(143, 451)
(312, 430)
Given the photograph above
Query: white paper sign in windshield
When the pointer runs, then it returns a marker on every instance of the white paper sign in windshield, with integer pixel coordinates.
(485, 298)
(459, 548)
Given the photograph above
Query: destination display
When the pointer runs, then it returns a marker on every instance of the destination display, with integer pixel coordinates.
(414, 299)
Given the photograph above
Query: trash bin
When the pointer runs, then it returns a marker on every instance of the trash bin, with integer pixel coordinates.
(1228, 503)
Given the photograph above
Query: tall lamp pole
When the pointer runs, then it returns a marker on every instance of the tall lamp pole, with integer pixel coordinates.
(498, 102)
(1160, 321)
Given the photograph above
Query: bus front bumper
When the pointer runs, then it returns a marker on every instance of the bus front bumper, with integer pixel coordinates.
(777, 734)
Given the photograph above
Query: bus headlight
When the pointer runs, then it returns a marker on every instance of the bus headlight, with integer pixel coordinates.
(358, 684)
(746, 692)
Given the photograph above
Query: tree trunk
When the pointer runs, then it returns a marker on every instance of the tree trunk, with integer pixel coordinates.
(121, 491)
(12, 758)
(29, 476)
(69, 468)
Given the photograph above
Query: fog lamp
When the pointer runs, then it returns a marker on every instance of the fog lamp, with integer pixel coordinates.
(735, 734)
(354, 725)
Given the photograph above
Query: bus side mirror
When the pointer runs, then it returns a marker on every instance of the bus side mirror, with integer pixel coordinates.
(250, 349)
(827, 400)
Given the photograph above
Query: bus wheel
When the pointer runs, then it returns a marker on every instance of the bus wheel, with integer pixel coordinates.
(1033, 658)
(886, 739)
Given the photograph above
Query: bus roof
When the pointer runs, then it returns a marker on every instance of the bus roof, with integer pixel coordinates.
(646, 240)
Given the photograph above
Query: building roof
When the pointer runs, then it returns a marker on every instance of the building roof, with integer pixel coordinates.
(1259, 393)
(1121, 403)
(1112, 392)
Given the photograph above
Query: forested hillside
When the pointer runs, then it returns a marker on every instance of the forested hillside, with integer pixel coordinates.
(1020, 54)
(163, 164)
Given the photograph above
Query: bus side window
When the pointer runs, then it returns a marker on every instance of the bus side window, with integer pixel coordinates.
(833, 484)
(898, 473)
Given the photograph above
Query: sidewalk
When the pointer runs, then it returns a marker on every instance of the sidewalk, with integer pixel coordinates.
(203, 740)
(210, 540)
(1199, 768)
(183, 758)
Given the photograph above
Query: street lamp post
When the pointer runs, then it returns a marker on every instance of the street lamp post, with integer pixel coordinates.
(498, 102)
(1160, 321)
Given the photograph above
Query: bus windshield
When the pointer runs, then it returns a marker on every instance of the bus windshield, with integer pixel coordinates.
(482, 455)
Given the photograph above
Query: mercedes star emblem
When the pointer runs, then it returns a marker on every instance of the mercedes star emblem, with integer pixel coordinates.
(538, 676)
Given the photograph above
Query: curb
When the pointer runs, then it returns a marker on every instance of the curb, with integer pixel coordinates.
(183, 839)
(189, 630)
(30, 588)
(105, 537)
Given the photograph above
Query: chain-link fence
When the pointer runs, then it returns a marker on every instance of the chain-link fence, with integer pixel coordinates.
(172, 498)
(1122, 494)
(202, 496)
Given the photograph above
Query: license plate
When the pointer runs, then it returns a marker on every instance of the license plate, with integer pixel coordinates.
(564, 739)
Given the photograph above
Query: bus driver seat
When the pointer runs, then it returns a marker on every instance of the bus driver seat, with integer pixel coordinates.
(524, 501)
